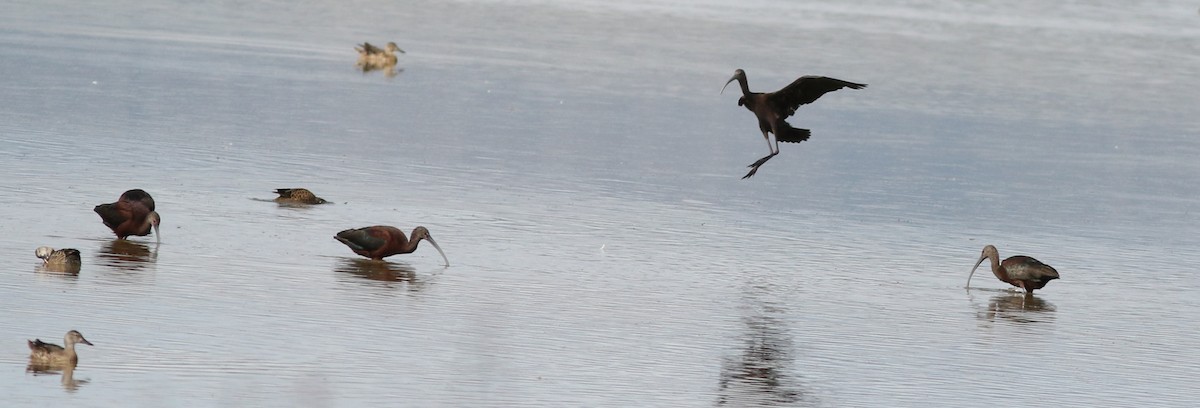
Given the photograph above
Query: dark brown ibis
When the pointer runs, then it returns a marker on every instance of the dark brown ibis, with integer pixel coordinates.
(47, 353)
(132, 214)
(297, 196)
(773, 108)
(62, 260)
(382, 241)
(1021, 271)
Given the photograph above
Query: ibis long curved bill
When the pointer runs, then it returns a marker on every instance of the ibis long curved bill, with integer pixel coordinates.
(438, 248)
(981, 259)
(730, 81)
(154, 221)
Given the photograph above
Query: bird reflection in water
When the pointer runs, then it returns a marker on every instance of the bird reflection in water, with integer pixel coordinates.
(389, 70)
(1017, 307)
(125, 254)
(381, 271)
(760, 375)
(67, 371)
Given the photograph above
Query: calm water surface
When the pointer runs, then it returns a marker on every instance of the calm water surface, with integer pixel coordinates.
(580, 169)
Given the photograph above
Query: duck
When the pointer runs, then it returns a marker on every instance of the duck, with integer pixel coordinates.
(371, 55)
(297, 196)
(46, 353)
(63, 260)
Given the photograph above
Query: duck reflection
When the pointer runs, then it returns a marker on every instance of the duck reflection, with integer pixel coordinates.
(126, 254)
(1018, 307)
(67, 371)
(380, 271)
(389, 69)
(65, 272)
(47, 272)
(760, 375)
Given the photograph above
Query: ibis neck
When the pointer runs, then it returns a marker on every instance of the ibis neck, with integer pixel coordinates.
(745, 87)
(998, 270)
(411, 245)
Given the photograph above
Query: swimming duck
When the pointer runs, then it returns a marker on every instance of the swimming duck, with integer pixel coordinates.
(62, 260)
(371, 55)
(47, 353)
(298, 196)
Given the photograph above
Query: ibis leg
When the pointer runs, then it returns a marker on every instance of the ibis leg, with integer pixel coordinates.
(774, 145)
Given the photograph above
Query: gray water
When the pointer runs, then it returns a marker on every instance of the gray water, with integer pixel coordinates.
(577, 164)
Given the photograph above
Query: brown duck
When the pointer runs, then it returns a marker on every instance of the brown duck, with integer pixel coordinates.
(297, 196)
(46, 353)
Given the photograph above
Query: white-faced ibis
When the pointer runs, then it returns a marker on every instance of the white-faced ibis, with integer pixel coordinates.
(297, 196)
(64, 260)
(773, 108)
(132, 214)
(381, 241)
(371, 55)
(46, 353)
(1021, 271)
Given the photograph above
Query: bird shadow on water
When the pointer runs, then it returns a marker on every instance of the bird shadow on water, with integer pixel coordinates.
(127, 255)
(67, 372)
(1015, 307)
(381, 273)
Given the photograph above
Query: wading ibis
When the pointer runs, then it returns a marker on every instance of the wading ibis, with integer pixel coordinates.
(64, 260)
(46, 353)
(132, 214)
(382, 241)
(1021, 271)
(773, 108)
(297, 196)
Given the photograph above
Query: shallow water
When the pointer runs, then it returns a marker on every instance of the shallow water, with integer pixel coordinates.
(580, 169)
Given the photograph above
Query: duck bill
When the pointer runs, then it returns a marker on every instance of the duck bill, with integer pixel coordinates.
(438, 248)
(730, 81)
(973, 270)
(84, 341)
(157, 236)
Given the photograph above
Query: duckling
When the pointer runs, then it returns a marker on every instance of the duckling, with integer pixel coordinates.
(47, 353)
(63, 260)
(298, 196)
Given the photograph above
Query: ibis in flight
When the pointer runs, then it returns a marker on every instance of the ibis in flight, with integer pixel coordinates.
(773, 108)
